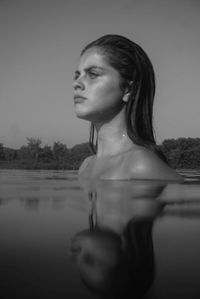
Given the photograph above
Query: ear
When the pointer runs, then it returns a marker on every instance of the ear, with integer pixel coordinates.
(125, 97)
(127, 92)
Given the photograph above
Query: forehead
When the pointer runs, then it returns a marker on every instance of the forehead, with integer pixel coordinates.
(93, 57)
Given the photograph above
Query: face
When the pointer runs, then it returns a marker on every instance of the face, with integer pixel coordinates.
(97, 93)
(96, 256)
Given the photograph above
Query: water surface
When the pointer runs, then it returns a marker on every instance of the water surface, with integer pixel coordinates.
(61, 237)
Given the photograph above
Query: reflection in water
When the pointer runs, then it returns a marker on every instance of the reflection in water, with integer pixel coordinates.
(116, 246)
(114, 267)
(32, 203)
(115, 255)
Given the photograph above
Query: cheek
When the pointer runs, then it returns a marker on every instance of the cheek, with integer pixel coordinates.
(104, 100)
(108, 92)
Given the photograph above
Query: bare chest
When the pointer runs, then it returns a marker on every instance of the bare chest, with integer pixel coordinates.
(107, 168)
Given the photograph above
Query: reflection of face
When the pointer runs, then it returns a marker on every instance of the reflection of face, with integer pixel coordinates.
(111, 265)
(96, 257)
(95, 250)
(99, 83)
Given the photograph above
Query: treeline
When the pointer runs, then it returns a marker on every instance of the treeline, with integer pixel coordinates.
(180, 153)
(35, 156)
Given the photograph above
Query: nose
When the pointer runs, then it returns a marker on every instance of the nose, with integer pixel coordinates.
(78, 84)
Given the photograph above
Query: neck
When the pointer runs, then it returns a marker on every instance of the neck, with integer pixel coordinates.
(112, 138)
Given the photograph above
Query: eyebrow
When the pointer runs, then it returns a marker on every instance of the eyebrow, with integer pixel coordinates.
(89, 69)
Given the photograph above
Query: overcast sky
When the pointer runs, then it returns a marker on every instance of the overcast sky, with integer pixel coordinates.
(40, 44)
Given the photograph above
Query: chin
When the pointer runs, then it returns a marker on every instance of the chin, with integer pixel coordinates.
(83, 114)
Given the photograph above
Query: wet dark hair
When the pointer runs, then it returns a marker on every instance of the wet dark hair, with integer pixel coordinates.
(137, 73)
(140, 253)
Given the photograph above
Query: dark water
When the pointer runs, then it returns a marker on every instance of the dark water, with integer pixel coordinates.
(64, 238)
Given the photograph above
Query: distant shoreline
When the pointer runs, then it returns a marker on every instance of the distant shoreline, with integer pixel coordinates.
(32, 166)
(48, 166)
(181, 153)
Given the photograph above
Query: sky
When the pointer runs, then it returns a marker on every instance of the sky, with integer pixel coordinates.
(40, 44)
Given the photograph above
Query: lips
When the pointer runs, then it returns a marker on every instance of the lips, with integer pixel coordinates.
(79, 99)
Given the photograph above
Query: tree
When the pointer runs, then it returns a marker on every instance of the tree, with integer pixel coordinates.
(60, 151)
(46, 154)
(34, 147)
(10, 154)
(182, 152)
(23, 152)
(2, 156)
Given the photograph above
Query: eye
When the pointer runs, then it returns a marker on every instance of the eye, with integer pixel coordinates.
(92, 75)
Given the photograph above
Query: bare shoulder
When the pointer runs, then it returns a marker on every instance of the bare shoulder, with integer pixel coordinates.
(84, 164)
(147, 165)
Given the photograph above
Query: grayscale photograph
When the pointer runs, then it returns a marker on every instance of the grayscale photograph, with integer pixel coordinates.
(99, 149)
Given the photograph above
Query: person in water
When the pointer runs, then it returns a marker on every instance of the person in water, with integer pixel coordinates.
(114, 87)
